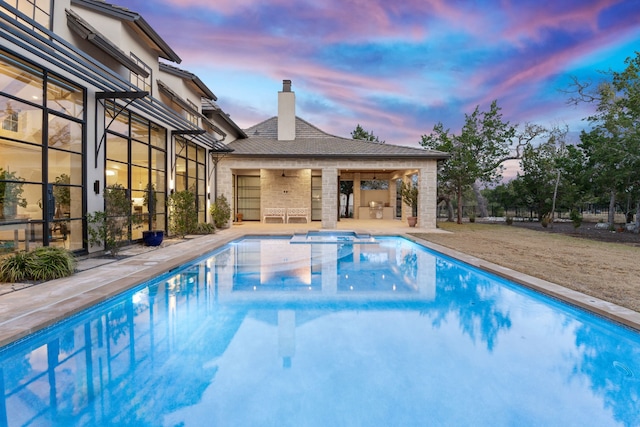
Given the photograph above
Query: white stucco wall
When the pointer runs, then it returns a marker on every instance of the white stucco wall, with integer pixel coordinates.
(116, 31)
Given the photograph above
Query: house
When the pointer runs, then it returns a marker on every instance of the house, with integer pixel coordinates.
(285, 162)
(91, 96)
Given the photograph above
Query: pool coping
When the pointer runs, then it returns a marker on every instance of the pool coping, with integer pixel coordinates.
(35, 308)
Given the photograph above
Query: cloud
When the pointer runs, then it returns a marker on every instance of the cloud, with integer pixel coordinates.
(396, 67)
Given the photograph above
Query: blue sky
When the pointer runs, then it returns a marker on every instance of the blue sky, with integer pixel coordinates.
(397, 67)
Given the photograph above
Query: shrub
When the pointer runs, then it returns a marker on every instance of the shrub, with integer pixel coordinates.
(205, 228)
(220, 212)
(545, 221)
(48, 263)
(509, 220)
(13, 268)
(111, 227)
(576, 218)
(44, 263)
(183, 217)
(472, 218)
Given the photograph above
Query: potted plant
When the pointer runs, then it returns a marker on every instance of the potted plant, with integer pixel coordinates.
(62, 195)
(10, 194)
(154, 236)
(62, 192)
(409, 194)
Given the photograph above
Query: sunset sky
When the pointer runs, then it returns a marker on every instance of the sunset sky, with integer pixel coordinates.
(397, 67)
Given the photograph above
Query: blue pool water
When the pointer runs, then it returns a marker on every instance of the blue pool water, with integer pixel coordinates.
(267, 333)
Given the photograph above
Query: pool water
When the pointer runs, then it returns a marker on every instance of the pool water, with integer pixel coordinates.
(263, 332)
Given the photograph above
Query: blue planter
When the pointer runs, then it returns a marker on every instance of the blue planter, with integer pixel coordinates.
(152, 237)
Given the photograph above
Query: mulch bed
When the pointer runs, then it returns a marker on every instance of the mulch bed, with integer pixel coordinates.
(587, 231)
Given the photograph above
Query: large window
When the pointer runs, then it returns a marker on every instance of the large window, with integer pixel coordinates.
(191, 173)
(10, 121)
(136, 159)
(36, 10)
(41, 158)
(191, 112)
(139, 81)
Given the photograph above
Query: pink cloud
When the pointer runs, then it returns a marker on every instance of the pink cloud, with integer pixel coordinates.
(558, 16)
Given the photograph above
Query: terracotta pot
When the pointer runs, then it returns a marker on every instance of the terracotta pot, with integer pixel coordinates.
(412, 220)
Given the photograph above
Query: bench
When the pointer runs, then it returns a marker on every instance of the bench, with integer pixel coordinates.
(297, 213)
(274, 213)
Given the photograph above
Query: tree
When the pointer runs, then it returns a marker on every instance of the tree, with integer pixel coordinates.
(220, 212)
(183, 217)
(346, 188)
(612, 146)
(502, 197)
(521, 140)
(360, 133)
(111, 227)
(476, 153)
(557, 149)
(542, 173)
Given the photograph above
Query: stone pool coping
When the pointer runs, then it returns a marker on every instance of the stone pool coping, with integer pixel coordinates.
(37, 307)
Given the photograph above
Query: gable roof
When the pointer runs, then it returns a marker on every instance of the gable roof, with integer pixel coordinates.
(93, 36)
(135, 21)
(190, 78)
(209, 107)
(310, 141)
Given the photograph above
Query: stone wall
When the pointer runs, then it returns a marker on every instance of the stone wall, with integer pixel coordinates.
(278, 191)
(293, 190)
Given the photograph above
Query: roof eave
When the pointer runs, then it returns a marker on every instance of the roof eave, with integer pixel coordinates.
(169, 53)
(133, 19)
(342, 156)
(87, 32)
(186, 75)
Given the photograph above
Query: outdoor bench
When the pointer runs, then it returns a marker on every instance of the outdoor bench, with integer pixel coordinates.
(297, 213)
(274, 213)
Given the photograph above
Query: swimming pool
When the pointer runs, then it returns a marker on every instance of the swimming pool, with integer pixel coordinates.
(265, 332)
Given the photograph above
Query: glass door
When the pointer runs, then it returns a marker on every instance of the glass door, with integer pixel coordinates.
(248, 203)
(316, 198)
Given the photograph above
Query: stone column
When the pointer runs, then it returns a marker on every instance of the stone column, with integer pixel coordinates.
(329, 197)
(427, 195)
(356, 195)
(225, 186)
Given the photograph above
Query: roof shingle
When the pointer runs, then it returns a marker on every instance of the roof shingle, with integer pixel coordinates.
(312, 142)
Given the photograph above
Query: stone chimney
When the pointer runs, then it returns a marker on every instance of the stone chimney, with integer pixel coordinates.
(286, 113)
